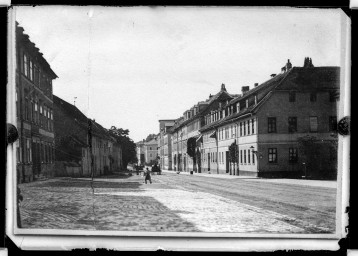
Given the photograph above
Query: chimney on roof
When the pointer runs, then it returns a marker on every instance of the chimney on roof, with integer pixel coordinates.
(308, 63)
(245, 89)
(210, 96)
(288, 65)
(273, 75)
(223, 87)
(256, 84)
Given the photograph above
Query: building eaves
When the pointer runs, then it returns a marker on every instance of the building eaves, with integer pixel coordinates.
(271, 82)
(25, 39)
(200, 114)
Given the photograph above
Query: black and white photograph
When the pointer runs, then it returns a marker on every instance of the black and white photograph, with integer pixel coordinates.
(178, 121)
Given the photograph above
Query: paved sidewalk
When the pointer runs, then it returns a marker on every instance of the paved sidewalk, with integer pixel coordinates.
(313, 183)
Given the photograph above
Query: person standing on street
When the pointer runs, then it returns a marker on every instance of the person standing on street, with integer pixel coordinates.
(147, 176)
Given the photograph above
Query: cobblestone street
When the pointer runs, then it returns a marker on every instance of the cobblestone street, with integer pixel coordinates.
(170, 203)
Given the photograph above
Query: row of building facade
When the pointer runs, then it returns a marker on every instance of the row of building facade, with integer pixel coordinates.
(55, 138)
(262, 131)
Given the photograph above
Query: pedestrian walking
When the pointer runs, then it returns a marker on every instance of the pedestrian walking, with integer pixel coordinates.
(147, 176)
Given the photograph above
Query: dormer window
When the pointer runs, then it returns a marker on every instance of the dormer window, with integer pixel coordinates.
(232, 109)
(255, 99)
(238, 107)
(223, 113)
(247, 103)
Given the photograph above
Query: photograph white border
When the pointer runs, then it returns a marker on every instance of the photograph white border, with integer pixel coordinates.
(54, 239)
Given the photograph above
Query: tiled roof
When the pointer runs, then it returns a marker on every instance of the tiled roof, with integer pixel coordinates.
(300, 78)
(273, 82)
(208, 102)
(79, 118)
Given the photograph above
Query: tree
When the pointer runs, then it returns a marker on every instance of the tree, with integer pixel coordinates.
(129, 153)
(191, 145)
(150, 137)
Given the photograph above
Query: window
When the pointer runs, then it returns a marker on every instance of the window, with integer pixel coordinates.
(248, 127)
(333, 96)
(292, 124)
(272, 155)
(247, 103)
(333, 123)
(25, 65)
(28, 151)
(271, 124)
(253, 126)
(313, 97)
(244, 156)
(150, 155)
(241, 156)
(292, 155)
(313, 124)
(31, 70)
(240, 129)
(253, 157)
(248, 156)
(292, 96)
(238, 107)
(18, 156)
(26, 109)
(32, 111)
(244, 128)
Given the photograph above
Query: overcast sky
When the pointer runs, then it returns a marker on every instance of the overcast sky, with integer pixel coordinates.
(130, 67)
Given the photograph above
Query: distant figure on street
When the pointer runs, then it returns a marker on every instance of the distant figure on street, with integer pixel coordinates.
(147, 176)
(137, 169)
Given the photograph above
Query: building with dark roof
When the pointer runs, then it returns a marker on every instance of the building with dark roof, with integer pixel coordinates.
(82, 143)
(34, 111)
(263, 132)
(284, 127)
(165, 143)
(188, 127)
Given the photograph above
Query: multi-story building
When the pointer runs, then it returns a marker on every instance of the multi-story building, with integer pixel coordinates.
(165, 144)
(34, 111)
(83, 146)
(151, 150)
(140, 152)
(264, 131)
(187, 129)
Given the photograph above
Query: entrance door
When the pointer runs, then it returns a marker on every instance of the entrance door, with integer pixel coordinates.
(227, 162)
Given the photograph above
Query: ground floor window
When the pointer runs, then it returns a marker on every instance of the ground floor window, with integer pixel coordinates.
(293, 155)
(272, 155)
(28, 151)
